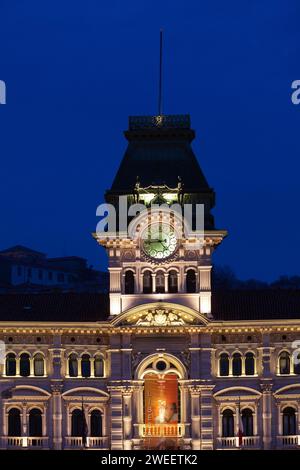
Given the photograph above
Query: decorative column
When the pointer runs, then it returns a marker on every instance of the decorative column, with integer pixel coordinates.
(205, 278)
(181, 280)
(24, 421)
(116, 416)
(57, 416)
(17, 366)
(115, 290)
(166, 275)
(219, 420)
(3, 428)
(141, 283)
(137, 407)
(195, 417)
(44, 420)
(79, 361)
(153, 282)
(205, 303)
(185, 419)
(127, 417)
(92, 362)
(206, 421)
(267, 414)
(31, 363)
(279, 429)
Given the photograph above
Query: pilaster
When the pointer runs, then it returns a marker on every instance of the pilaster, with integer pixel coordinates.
(57, 416)
(267, 414)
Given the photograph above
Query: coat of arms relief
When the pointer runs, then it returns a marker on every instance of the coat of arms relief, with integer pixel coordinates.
(160, 317)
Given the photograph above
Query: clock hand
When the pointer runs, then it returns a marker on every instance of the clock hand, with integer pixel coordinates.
(152, 240)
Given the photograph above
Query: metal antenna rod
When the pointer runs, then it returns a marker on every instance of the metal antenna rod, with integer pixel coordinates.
(160, 74)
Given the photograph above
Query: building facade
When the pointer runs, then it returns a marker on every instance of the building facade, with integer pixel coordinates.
(164, 362)
(25, 270)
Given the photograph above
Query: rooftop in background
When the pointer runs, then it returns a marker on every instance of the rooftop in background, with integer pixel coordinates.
(25, 270)
(21, 251)
(92, 307)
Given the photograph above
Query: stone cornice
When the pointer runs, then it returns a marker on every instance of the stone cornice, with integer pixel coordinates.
(263, 327)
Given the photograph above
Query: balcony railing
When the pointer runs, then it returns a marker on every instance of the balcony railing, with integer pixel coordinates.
(248, 442)
(91, 443)
(161, 430)
(288, 441)
(11, 442)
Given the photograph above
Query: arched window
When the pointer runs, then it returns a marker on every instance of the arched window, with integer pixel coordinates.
(10, 364)
(39, 365)
(98, 366)
(147, 282)
(73, 365)
(173, 282)
(85, 365)
(227, 423)
(35, 423)
(191, 281)
(224, 365)
(14, 422)
(236, 364)
(77, 423)
(284, 363)
(289, 421)
(24, 365)
(249, 364)
(129, 282)
(297, 365)
(160, 282)
(247, 419)
(96, 423)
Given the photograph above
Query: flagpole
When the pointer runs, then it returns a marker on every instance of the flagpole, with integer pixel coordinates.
(160, 74)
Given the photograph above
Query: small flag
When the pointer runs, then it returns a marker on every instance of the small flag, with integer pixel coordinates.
(241, 427)
(84, 427)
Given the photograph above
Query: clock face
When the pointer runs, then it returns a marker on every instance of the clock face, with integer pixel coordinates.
(159, 241)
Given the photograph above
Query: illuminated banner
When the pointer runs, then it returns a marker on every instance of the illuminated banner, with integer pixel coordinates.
(161, 399)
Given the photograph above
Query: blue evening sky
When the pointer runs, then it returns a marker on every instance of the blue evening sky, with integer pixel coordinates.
(75, 70)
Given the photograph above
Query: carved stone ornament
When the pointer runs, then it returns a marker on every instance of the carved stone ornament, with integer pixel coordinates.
(266, 387)
(160, 317)
(57, 388)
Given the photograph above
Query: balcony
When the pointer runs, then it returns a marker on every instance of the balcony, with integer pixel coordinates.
(248, 442)
(11, 442)
(161, 430)
(288, 442)
(91, 443)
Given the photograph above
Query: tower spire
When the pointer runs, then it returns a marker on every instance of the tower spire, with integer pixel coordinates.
(160, 74)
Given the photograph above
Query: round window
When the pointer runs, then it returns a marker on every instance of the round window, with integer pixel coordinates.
(161, 365)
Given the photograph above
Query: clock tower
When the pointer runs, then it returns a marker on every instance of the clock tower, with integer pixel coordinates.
(162, 254)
